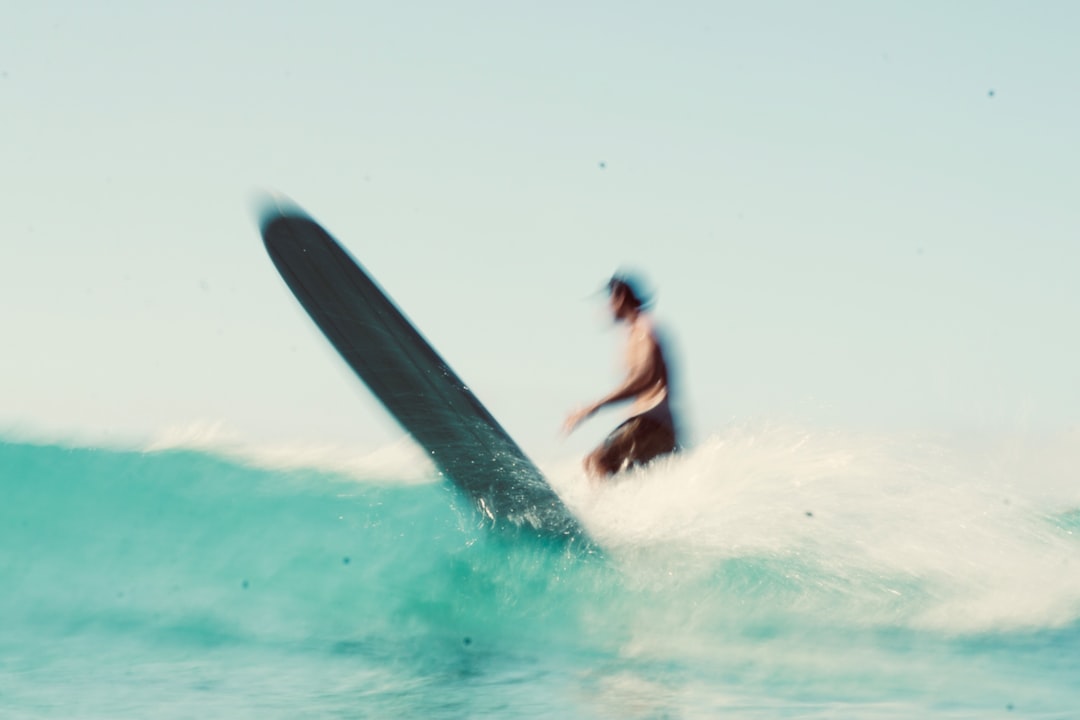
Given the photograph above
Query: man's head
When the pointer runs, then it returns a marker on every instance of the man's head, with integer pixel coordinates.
(625, 296)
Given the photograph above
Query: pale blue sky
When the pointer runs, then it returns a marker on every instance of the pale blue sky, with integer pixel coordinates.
(856, 214)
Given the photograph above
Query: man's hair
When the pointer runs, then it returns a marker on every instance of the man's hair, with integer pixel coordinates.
(631, 287)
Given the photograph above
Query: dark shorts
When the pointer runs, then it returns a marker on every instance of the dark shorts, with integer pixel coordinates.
(636, 442)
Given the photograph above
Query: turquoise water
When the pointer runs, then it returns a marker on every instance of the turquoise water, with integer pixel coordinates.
(770, 573)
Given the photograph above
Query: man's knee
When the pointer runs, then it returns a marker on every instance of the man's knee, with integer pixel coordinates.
(597, 465)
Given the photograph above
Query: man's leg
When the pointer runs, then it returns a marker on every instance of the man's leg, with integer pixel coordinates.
(614, 454)
(635, 442)
(598, 464)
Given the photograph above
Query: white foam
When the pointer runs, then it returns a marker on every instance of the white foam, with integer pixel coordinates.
(401, 461)
(962, 532)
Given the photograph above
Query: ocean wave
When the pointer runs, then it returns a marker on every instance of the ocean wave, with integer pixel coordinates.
(767, 524)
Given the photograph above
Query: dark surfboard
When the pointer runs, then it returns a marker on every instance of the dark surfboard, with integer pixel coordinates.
(403, 371)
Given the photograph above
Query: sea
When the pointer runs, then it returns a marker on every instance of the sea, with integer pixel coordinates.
(770, 571)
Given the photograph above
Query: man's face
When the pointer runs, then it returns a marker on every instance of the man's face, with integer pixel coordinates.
(618, 304)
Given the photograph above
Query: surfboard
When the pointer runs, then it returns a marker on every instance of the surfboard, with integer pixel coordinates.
(417, 387)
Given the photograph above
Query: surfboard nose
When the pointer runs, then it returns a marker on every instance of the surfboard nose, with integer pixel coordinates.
(271, 205)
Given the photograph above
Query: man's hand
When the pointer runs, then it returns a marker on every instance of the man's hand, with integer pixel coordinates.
(574, 419)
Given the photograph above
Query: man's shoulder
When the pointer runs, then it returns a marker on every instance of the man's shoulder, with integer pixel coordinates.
(643, 333)
(644, 325)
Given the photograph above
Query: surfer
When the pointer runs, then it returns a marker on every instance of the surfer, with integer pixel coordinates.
(650, 431)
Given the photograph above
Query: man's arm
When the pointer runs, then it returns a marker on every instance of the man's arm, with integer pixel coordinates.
(644, 370)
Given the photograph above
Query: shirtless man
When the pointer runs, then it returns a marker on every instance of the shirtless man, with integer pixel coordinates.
(650, 431)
